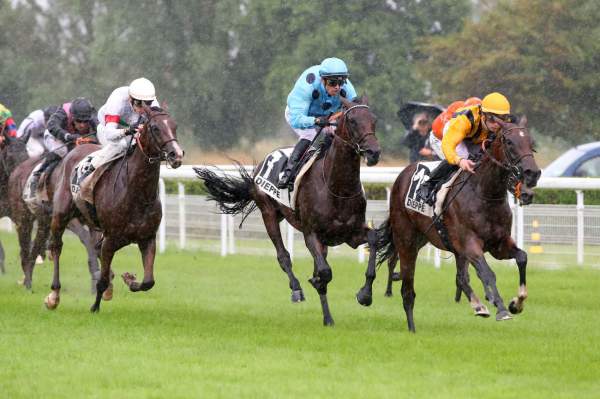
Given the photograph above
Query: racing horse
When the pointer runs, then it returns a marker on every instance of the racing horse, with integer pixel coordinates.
(330, 202)
(126, 206)
(24, 217)
(12, 153)
(476, 218)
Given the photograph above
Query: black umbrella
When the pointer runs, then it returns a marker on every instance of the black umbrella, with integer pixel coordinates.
(408, 110)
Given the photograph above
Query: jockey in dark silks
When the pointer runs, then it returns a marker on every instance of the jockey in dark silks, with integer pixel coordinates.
(462, 137)
(315, 96)
(73, 121)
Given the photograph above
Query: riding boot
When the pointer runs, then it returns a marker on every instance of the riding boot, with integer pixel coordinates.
(293, 161)
(438, 177)
(50, 160)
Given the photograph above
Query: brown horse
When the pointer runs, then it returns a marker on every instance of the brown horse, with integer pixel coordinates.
(476, 217)
(12, 154)
(24, 219)
(330, 203)
(127, 208)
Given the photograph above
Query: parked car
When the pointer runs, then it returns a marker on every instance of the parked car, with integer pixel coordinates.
(580, 161)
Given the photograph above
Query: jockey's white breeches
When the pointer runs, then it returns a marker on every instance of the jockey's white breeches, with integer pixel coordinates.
(35, 147)
(308, 134)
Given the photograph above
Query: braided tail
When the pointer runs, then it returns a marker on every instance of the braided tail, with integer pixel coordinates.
(233, 195)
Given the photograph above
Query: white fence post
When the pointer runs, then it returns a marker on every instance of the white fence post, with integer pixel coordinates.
(437, 258)
(230, 237)
(181, 201)
(290, 239)
(223, 234)
(520, 227)
(162, 229)
(580, 226)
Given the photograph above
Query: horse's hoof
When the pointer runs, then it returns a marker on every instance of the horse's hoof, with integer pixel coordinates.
(94, 308)
(514, 307)
(503, 315)
(51, 301)
(297, 296)
(389, 294)
(482, 311)
(396, 276)
(39, 260)
(328, 322)
(107, 295)
(364, 299)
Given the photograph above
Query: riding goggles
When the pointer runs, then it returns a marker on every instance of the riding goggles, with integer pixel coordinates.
(335, 82)
(141, 103)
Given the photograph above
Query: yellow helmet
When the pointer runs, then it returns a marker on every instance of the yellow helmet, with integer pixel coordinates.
(495, 103)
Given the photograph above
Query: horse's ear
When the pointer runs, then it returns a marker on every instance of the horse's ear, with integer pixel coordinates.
(365, 99)
(164, 106)
(345, 102)
(523, 121)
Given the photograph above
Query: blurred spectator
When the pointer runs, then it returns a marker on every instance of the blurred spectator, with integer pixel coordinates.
(417, 139)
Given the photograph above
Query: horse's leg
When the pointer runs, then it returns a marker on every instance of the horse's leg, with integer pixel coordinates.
(408, 258)
(463, 285)
(2, 257)
(392, 276)
(86, 239)
(148, 251)
(510, 251)
(109, 246)
(57, 229)
(24, 227)
(365, 294)
(487, 277)
(39, 243)
(322, 274)
(269, 215)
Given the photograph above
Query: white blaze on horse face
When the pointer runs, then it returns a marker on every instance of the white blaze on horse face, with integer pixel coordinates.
(521, 133)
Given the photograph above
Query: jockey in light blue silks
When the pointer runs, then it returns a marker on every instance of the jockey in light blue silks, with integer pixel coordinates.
(315, 96)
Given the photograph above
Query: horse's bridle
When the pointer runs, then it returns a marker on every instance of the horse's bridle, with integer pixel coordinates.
(512, 166)
(162, 154)
(356, 146)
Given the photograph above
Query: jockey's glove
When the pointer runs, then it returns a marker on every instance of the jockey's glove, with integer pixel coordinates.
(322, 121)
(70, 137)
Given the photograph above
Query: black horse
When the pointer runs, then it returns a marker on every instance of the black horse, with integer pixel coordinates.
(330, 203)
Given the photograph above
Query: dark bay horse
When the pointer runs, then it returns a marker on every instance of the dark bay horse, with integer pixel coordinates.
(12, 154)
(126, 202)
(24, 219)
(477, 219)
(330, 203)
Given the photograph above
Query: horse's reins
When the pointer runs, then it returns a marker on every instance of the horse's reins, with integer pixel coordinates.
(355, 146)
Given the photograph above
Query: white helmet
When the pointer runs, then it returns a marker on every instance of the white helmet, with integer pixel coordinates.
(142, 89)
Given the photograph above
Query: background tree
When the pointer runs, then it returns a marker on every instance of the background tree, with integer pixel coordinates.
(543, 54)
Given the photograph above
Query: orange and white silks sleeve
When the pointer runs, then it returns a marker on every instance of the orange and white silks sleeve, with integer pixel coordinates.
(458, 129)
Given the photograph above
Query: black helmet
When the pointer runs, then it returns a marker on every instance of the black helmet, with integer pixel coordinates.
(48, 111)
(82, 109)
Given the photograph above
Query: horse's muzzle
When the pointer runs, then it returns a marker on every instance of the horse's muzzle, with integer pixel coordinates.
(527, 196)
(174, 154)
(372, 157)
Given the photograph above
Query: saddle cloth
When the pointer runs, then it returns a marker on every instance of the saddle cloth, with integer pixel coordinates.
(84, 189)
(420, 176)
(272, 169)
(33, 200)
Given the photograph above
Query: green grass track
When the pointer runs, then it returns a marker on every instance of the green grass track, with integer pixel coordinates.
(217, 327)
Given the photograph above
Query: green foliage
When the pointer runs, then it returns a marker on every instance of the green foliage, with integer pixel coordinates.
(224, 68)
(542, 54)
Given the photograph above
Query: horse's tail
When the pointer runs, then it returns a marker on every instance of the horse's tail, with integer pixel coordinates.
(385, 244)
(233, 195)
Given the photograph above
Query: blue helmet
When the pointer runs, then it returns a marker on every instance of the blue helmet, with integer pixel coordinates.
(333, 67)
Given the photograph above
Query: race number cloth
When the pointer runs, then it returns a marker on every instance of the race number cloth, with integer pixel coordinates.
(84, 189)
(31, 198)
(271, 171)
(420, 176)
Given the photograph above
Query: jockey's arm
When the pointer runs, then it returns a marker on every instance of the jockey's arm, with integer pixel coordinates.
(57, 123)
(457, 131)
(298, 102)
(112, 129)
